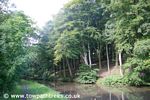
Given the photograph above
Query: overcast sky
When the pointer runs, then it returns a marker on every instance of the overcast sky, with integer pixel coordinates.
(40, 11)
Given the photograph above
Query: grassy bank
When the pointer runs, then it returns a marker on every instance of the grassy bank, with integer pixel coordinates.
(118, 81)
(34, 88)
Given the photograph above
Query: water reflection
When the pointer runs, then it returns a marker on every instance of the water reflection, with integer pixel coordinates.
(93, 92)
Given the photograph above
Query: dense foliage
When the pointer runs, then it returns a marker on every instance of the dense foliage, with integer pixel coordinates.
(14, 32)
(118, 81)
(86, 75)
(137, 68)
(96, 32)
(89, 32)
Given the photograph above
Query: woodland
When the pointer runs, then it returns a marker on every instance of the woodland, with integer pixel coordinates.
(84, 40)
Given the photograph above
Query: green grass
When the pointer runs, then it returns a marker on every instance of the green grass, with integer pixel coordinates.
(35, 88)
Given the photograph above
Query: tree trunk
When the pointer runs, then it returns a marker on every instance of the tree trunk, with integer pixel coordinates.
(71, 63)
(99, 57)
(84, 56)
(112, 53)
(55, 76)
(64, 69)
(120, 64)
(116, 64)
(107, 58)
(110, 96)
(89, 52)
(70, 71)
(74, 64)
(60, 69)
(122, 96)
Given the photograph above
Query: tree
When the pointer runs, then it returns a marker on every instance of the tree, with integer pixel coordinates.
(66, 48)
(14, 35)
(107, 28)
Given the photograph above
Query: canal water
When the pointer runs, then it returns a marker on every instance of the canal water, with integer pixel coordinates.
(94, 92)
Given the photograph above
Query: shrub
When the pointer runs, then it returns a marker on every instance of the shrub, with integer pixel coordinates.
(139, 71)
(111, 80)
(114, 80)
(86, 75)
(132, 79)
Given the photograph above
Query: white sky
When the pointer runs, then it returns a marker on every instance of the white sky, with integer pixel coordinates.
(40, 11)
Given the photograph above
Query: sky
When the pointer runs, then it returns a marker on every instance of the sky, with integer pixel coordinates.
(40, 11)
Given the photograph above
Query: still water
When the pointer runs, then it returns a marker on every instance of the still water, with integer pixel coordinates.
(94, 92)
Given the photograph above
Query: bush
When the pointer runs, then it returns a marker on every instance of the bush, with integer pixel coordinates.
(127, 80)
(111, 80)
(86, 75)
(139, 71)
(132, 80)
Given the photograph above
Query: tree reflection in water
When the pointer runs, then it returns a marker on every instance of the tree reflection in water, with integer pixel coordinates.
(93, 92)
